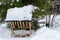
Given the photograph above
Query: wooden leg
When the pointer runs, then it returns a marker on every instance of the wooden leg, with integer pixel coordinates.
(12, 32)
(30, 28)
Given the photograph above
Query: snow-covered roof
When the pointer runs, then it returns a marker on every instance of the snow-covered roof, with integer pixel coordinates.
(22, 13)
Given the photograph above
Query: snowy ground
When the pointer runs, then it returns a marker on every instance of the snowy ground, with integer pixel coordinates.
(46, 34)
(43, 33)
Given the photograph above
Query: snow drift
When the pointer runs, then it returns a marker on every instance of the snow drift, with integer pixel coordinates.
(46, 34)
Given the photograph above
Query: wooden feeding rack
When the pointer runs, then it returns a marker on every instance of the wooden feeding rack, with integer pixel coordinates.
(20, 24)
(20, 17)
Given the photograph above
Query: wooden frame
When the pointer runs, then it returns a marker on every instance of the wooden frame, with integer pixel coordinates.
(20, 25)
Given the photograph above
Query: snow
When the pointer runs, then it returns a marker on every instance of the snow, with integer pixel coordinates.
(0, 3)
(22, 13)
(43, 33)
(42, 20)
(46, 34)
(57, 19)
(17, 0)
(56, 23)
(43, 10)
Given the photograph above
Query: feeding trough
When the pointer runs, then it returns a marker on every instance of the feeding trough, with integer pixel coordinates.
(20, 17)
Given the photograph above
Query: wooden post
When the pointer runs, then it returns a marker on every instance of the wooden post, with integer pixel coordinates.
(12, 32)
(30, 28)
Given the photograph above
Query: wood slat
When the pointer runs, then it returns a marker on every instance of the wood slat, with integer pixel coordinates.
(18, 24)
(23, 24)
(13, 25)
(26, 24)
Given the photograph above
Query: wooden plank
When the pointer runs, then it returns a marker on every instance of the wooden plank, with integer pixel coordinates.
(30, 28)
(13, 25)
(12, 32)
(23, 25)
(18, 24)
(26, 25)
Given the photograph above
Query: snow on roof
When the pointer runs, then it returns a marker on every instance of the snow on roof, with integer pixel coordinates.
(22, 13)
